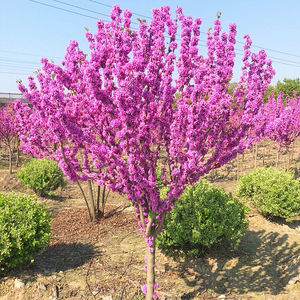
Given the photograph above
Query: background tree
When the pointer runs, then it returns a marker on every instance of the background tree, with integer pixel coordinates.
(287, 86)
(118, 109)
(279, 121)
(270, 89)
(8, 133)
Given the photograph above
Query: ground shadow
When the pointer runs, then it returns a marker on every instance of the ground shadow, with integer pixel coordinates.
(263, 262)
(56, 258)
(63, 257)
(55, 198)
(115, 211)
(281, 221)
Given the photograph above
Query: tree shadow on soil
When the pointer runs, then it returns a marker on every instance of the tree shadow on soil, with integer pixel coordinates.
(263, 262)
(56, 258)
(281, 221)
(115, 211)
(55, 198)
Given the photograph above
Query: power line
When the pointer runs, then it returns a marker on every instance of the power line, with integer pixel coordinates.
(70, 11)
(103, 4)
(32, 69)
(147, 17)
(30, 54)
(19, 61)
(85, 9)
(275, 61)
(15, 73)
(281, 61)
(16, 67)
(284, 61)
(93, 11)
(268, 49)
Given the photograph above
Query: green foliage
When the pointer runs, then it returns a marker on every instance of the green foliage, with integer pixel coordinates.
(204, 215)
(268, 92)
(41, 175)
(276, 193)
(231, 87)
(288, 86)
(159, 181)
(24, 228)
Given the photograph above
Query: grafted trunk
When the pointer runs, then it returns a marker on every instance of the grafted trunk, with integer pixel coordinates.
(151, 232)
(150, 271)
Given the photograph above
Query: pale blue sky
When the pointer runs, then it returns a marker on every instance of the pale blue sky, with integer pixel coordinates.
(29, 30)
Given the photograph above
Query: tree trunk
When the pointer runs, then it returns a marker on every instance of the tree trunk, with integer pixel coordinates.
(151, 232)
(288, 163)
(277, 157)
(18, 153)
(103, 201)
(238, 166)
(81, 190)
(292, 153)
(92, 200)
(86, 202)
(255, 157)
(10, 160)
(98, 201)
(150, 271)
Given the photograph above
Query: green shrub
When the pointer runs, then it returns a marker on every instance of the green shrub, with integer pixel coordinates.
(41, 175)
(24, 228)
(204, 215)
(276, 193)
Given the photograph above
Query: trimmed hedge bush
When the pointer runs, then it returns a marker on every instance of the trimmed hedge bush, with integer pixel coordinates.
(204, 215)
(276, 193)
(24, 228)
(41, 175)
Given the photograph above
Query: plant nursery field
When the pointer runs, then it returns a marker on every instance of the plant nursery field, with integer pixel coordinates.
(105, 259)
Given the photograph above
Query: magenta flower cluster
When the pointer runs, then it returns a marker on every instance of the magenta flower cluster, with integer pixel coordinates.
(135, 104)
(279, 119)
(8, 130)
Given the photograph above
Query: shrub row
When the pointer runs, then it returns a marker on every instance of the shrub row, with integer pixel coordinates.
(204, 215)
(276, 193)
(24, 228)
(41, 175)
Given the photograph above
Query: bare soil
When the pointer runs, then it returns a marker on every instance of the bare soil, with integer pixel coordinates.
(105, 259)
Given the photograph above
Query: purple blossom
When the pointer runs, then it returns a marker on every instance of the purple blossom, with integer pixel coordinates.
(117, 109)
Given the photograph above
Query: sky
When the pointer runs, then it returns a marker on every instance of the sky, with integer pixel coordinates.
(32, 29)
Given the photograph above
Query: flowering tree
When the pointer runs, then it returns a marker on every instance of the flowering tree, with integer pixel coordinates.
(119, 109)
(279, 119)
(283, 119)
(46, 132)
(8, 131)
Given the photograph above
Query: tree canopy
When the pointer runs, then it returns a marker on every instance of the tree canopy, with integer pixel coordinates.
(287, 86)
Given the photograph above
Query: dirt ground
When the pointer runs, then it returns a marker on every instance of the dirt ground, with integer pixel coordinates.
(105, 259)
